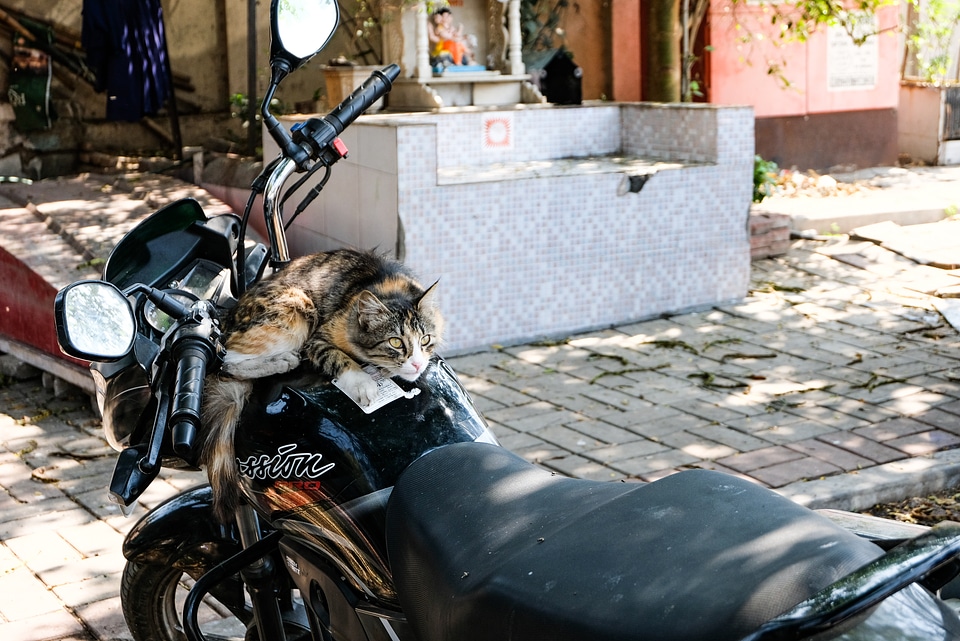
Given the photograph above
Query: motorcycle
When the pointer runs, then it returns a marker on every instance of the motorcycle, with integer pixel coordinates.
(410, 522)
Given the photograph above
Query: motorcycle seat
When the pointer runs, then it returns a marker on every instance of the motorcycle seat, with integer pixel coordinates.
(484, 545)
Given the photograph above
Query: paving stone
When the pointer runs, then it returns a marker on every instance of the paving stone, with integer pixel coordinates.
(105, 619)
(767, 420)
(864, 447)
(644, 465)
(828, 416)
(657, 428)
(25, 596)
(795, 470)
(709, 411)
(631, 418)
(522, 414)
(944, 383)
(941, 419)
(841, 458)
(894, 428)
(924, 443)
(783, 434)
(624, 451)
(563, 391)
(31, 520)
(540, 452)
(953, 407)
(580, 467)
(860, 409)
(89, 590)
(602, 432)
(766, 457)
(735, 439)
(615, 398)
(697, 446)
(519, 440)
(93, 538)
(59, 625)
(91, 566)
(499, 393)
(717, 467)
(44, 551)
(567, 438)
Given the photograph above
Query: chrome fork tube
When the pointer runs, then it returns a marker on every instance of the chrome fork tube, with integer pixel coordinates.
(272, 214)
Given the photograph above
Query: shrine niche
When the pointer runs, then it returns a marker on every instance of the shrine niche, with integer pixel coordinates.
(467, 53)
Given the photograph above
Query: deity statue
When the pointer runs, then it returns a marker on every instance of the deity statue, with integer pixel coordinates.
(449, 45)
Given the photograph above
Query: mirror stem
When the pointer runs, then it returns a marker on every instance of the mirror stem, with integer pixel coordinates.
(279, 71)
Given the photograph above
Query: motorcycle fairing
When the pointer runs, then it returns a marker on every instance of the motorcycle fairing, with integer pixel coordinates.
(160, 251)
(484, 545)
(341, 511)
(332, 602)
(168, 240)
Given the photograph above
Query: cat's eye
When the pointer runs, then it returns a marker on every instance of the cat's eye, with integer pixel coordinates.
(425, 340)
(396, 343)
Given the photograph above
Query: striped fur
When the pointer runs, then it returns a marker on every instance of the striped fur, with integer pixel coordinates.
(336, 310)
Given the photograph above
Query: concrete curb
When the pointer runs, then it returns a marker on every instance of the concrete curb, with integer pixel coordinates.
(856, 491)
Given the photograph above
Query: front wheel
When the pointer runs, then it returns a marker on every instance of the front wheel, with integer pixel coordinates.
(152, 599)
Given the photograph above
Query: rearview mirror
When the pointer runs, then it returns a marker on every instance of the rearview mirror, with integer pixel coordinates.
(299, 29)
(94, 321)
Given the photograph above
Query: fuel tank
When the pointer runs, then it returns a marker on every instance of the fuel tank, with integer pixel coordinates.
(313, 464)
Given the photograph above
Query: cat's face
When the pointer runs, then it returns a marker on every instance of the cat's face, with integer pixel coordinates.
(398, 334)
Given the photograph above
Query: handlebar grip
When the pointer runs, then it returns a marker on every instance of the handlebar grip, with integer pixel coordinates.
(316, 134)
(373, 88)
(188, 396)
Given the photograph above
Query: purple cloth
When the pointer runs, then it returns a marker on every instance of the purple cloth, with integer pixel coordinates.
(126, 49)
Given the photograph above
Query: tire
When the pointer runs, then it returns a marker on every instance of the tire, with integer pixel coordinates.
(152, 597)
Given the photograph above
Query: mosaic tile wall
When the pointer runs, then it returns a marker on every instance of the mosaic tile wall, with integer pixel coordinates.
(523, 253)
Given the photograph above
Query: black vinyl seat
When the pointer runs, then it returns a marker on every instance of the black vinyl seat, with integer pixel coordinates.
(486, 546)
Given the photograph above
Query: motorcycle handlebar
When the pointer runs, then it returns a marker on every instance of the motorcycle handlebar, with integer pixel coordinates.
(191, 355)
(185, 418)
(373, 88)
(320, 132)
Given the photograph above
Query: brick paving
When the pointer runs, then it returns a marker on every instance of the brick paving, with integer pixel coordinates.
(829, 372)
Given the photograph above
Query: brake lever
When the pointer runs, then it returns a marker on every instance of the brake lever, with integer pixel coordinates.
(137, 466)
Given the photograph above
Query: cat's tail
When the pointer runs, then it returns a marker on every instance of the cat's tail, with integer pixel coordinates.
(223, 402)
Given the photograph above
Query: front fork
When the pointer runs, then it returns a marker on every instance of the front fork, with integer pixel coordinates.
(260, 577)
(259, 574)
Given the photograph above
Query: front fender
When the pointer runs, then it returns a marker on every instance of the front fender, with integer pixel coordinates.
(183, 533)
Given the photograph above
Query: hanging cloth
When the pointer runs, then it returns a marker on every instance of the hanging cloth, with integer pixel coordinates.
(30, 74)
(126, 49)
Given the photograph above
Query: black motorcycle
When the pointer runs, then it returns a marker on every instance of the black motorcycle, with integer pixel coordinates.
(410, 522)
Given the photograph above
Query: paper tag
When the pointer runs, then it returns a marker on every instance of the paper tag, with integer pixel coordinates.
(387, 390)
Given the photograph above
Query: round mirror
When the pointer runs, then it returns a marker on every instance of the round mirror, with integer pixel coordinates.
(94, 321)
(302, 27)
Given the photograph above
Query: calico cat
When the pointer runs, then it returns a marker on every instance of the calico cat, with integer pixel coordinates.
(337, 310)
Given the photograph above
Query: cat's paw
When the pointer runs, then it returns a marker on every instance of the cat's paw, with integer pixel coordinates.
(359, 386)
(247, 366)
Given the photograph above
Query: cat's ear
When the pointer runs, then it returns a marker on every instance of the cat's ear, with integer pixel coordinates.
(369, 308)
(427, 298)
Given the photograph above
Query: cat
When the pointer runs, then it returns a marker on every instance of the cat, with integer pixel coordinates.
(337, 310)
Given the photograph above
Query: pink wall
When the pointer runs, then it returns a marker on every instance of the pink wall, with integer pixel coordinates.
(625, 30)
(739, 71)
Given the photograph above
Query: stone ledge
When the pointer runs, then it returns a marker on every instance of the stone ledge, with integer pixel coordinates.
(769, 235)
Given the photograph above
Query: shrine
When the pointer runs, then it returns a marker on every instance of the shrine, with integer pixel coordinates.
(436, 74)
